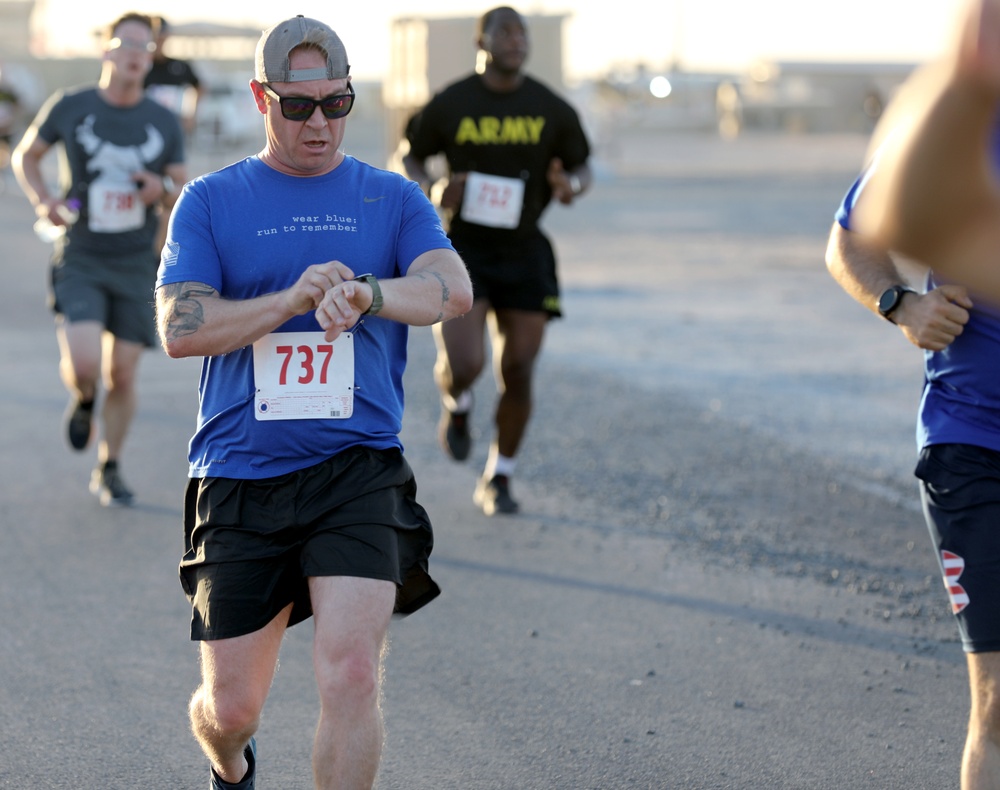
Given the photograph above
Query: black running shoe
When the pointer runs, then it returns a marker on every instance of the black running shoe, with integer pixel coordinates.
(493, 496)
(453, 433)
(79, 423)
(248, 781)
(107, 485)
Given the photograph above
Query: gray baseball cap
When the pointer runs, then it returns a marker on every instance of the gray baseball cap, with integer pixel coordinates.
(271, 60)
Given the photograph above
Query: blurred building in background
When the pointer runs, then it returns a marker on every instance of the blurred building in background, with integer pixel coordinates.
(633, 106)
(803, 97)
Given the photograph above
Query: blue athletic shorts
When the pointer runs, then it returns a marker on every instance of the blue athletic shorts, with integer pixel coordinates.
(960, 491)
(251, 545)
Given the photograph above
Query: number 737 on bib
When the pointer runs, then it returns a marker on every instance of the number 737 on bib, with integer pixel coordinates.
(301, 376)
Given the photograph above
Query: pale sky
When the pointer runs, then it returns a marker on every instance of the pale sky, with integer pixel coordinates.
(705, 34)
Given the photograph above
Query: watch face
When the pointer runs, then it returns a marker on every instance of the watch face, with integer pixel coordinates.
(889, 299)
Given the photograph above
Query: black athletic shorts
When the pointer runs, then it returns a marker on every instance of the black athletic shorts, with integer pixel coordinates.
(117, 291)
(518, 274)
(251, 545)
(960, 491)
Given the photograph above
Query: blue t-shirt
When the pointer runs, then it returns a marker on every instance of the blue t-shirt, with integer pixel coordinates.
(248, 230)
(961, 397)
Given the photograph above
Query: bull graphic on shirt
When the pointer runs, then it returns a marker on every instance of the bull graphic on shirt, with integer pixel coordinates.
(113, 161)
(113, 197)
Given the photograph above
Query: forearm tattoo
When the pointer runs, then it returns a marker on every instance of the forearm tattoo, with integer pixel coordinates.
(182, 312)
(445, 291)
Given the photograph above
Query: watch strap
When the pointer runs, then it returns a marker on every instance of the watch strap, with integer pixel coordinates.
(376, 306)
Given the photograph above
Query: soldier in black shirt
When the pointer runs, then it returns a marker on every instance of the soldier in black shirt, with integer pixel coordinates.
(511, 145)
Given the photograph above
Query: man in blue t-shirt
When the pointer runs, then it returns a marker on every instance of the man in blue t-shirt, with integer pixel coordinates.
(932, 193)
(959, 441)
(295, 273)
(958, 437)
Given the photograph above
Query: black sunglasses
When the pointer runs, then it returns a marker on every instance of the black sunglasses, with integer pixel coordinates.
(300, 108)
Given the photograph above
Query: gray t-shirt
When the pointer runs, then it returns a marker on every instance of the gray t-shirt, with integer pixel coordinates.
(102, 146)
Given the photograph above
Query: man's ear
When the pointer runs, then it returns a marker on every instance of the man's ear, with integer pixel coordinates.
(259, 96)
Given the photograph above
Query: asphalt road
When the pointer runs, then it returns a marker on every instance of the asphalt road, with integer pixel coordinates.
(721, 578)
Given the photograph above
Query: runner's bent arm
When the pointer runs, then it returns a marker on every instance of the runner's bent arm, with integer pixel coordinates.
(193, 320)
(568, 185)
(435, 288)
(177, 173)
(415, 171)
(26, 162)
(447, 193)
(930, 321)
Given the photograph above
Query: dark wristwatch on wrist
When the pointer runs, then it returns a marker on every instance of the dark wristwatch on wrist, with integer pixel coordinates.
(376, 306)
(890, 300)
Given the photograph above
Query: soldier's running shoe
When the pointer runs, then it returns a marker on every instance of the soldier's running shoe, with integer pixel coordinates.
(493, 496)
(454, 435)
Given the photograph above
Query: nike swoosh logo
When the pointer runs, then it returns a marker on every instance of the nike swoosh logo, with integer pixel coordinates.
(374, 200)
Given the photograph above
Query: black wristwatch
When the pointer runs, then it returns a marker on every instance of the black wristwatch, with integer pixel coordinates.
(376, 305)
(890, 300)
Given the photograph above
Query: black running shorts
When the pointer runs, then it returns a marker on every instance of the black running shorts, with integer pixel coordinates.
(960, 490)
(117, 291)
(518, 274)
(251, 545)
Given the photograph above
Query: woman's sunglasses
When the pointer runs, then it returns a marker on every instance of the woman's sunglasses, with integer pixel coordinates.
(300, 108)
